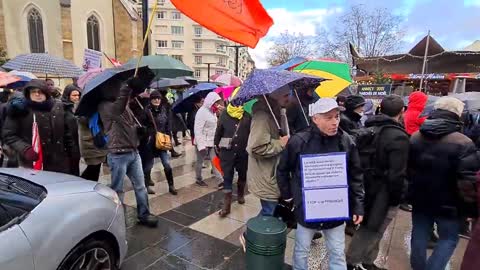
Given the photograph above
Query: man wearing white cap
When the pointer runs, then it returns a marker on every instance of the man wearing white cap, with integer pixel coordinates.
(322, 137)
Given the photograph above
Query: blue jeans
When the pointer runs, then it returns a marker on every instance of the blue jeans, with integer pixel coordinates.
(129, 164)
(149, 160)
(334, 239)
(448, 229)
(268, 208)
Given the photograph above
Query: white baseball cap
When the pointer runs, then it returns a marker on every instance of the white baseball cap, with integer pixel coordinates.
(324, 105)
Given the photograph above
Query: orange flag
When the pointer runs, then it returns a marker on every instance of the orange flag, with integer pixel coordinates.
(243, 21)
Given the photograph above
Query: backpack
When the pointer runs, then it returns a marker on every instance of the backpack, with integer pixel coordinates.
(96, 128)
(366, 140)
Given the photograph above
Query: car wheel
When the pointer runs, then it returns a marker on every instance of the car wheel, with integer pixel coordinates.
(91, 254)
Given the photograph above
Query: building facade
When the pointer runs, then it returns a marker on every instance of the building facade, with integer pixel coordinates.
(178, 36)
(65, 28)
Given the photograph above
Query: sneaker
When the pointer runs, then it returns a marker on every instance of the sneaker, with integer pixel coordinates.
(356, 267)
(201, 183)
(149, 221)
(176, 155)
(373, 267)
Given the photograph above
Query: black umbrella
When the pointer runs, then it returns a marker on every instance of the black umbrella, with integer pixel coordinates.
(189, 79)
(165, 83)
(112, 77)
(185, 103)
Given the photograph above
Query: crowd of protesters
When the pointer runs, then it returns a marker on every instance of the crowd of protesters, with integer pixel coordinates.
(426, 161)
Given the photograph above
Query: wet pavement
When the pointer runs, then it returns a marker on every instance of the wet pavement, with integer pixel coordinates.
(191, 235)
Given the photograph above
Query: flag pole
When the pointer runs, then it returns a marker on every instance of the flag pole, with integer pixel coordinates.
(425, 60)
(145, 38)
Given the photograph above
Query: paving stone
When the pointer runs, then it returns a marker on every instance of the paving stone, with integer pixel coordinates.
(173, 263)
(144, 258)
(179, 218)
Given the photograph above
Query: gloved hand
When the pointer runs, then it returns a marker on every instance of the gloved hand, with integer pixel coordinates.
(137, 85)
(30, 155)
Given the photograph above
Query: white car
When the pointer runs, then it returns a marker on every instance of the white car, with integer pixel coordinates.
(57, 221)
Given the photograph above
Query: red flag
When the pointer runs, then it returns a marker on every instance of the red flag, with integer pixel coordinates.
(243, 21)
(37, 145)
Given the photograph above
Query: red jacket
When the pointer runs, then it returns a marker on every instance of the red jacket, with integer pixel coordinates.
(416, 104)
(471, 259)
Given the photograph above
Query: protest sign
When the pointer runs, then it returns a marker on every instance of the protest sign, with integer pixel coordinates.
(325, 187)
(374, 91)
(327, 204)
(92, 59)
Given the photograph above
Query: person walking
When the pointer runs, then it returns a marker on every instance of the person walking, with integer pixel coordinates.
(385, 183)
(156, 118)
(442, 167)
(54, 134)
(70, 99)
(412, 117)
(354, 110)
(265, 143)
(321, 137)
(121, 127)
(205, 126)
(231, 138)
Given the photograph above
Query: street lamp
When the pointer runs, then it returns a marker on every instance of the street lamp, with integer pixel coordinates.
(208, 72)
(237, 51)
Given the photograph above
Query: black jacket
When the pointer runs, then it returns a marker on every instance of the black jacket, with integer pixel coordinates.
(55, 136)
(386, 190)
(162, 118)
(350, 120)
(296, 117)
(191, 121)
(442, 167)
(119, 123)
(226, 128)
(312, 141)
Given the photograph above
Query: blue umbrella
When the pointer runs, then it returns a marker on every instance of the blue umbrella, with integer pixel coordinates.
(165, 83)
(290, 63)
(92, 92)
(266, 81)
(185, 103)
(43, 63)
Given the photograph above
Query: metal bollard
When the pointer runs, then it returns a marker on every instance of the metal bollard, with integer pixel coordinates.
(266, 239)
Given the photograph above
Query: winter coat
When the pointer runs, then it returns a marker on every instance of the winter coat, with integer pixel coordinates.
(191, 122)
(162, 117)
(55, 136)
(88, 151)
(206, 123)
(442, 167)
(296, 117)
(389, 188)
(264, 148)
(71, 121)
(119, 123)
(312, 141)
(416, 105)
(238, 130)
(471, 260)
(350, 120)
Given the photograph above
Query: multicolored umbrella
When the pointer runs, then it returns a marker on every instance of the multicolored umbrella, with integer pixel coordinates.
(7, 78)
(227, 80)
(336, 73)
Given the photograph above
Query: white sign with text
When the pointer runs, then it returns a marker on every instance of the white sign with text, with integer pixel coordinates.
(324, 171)
(326, 204)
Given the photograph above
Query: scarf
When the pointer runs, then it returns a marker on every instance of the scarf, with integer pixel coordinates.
(235, 112)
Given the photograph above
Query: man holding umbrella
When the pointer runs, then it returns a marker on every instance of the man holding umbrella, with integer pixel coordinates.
(122, 129)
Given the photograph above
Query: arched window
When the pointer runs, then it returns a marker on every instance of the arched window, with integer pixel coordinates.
(93, 33)
(35, 31)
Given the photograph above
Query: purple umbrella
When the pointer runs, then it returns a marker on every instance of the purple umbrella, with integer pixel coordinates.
(266, 81)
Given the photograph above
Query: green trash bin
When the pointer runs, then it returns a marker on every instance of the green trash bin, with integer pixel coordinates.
(266, 239)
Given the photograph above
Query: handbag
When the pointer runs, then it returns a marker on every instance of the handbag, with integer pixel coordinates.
(226, 143)
(162, 140)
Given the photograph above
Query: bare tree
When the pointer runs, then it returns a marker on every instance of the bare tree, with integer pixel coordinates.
(373, 32)
(288, 46)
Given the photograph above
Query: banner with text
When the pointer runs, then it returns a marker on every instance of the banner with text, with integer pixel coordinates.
(325, 187)
(374, 91)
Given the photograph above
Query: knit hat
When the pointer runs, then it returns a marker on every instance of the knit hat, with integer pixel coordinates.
(450, 104)
(391, 105)
(354, 102)
(155, 94)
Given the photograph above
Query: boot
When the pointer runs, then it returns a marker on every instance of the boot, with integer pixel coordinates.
(227, 202)
(148, 179)
(149, 221)
(171, 187)
(241, 192)
(175, 154)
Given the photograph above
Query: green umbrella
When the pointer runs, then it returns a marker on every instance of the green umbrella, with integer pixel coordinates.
(249, 106)
(164, 66)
